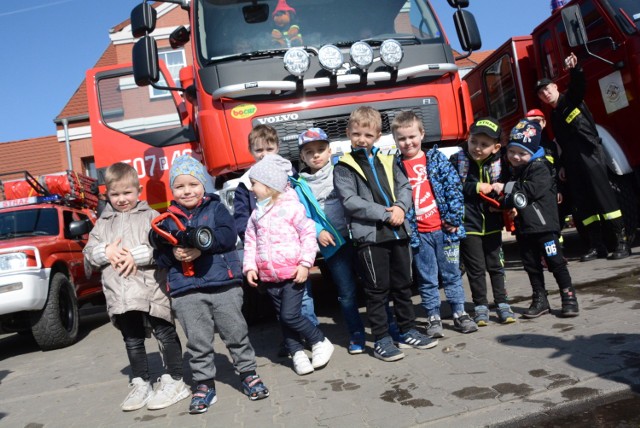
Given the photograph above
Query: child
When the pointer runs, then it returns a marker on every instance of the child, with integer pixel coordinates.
(533, 194)
(479, 165)
(135, 289)
(280, 248)
(315, 190)
(212, 298)
(438, 210)
(375, 196)
(263, 140)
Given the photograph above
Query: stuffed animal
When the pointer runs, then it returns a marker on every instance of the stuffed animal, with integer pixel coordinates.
(286, 33)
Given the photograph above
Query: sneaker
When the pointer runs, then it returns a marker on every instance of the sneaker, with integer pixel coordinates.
(482, 316)
(321, 353)
(463, 323)
(385, 350)
(302, 364)
(254, 388)
(414, 339)
(356, 344)
(202, 399)
(434, 327)
(505, 314)
(169, 391)
(139, 396)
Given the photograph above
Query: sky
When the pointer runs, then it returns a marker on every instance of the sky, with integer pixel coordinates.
(49, 44)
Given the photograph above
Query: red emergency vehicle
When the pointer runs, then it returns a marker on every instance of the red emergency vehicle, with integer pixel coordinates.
(248, 68)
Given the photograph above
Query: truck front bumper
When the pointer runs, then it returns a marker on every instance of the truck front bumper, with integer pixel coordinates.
(23, 291)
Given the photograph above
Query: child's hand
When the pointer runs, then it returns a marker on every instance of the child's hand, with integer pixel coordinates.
(559, 198)
(562, 175)
(484, 188)
(252, 278)
(397, 215)
(127, 266)
(114, 253)
(512, 213)
(498, 187)
(186, 254)
(302, 273)
(326, 238)
(449, 228)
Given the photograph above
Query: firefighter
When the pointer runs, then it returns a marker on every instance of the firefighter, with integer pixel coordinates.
(583, 163)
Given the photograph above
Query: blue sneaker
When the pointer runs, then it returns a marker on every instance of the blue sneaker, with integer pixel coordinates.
(385, 350)
(414, 339)
(505, 314)
(482, 316)
(202, 399)
(356, 344)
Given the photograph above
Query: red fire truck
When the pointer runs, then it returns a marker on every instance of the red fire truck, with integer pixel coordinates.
(246, 68)
(604, 35)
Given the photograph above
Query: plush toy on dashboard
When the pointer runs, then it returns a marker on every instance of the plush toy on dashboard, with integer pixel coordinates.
(286, 33)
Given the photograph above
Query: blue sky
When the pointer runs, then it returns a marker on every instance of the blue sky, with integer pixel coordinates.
(49, 44)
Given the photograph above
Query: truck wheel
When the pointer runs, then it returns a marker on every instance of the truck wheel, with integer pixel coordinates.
(56, 325)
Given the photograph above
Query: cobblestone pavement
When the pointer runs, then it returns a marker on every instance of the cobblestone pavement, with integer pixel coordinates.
(501, 374)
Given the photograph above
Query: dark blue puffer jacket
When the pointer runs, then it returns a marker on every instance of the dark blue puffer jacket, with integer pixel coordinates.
(217, 267)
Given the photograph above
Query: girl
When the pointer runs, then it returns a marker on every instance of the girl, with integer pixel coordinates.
(279, 249)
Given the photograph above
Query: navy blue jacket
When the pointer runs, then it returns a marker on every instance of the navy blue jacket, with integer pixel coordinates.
(217, 267)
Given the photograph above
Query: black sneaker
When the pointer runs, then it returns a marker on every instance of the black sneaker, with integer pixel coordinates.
(464, 324)
(414, 339)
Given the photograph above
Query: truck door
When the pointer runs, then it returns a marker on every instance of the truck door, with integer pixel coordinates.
(142, 126)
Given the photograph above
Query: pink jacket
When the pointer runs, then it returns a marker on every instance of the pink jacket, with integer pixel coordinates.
(280, 240)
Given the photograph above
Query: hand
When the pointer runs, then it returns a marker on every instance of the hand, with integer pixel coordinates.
(127, 266)
(497, 187)
(397, 215)
(513, 213)
(114, 253)
(252, 278)
(571, 61)
(562, 174)
(325, 239)
(450, 228)
(302, 273)
(186, 254)
(485, 188)
(559, 198)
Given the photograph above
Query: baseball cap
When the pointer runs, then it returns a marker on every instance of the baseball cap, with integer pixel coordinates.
(542, 83)
(527, 135)
(534, 113)
(488, 126)
(311, 135)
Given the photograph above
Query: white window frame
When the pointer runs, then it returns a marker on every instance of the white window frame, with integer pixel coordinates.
(157, 93)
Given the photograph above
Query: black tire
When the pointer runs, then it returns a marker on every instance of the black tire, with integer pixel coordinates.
(56, 325)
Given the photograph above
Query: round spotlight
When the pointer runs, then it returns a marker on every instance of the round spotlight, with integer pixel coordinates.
(296, 61)
(391, 53)
(361, 55)
(330, 58)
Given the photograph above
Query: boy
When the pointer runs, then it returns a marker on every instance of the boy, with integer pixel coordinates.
(314, 186)
(375, 196)
(479, 165)
(135, 290)
(438, 207)
(537, 224)
(212, 297)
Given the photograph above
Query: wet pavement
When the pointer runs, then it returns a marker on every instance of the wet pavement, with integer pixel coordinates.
(503, 375)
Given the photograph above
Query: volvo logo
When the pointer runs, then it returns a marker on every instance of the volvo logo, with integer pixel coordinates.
(279, 118)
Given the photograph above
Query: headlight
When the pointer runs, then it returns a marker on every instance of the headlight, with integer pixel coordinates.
(361, 55)
(391, 53)
(13, 261)
(296, 61)
(330, 58)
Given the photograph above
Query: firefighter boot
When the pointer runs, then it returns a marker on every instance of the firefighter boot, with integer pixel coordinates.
(622, 248)
(539, 305)
(597, 249)
(569, 302)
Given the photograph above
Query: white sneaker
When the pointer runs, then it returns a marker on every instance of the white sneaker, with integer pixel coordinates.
(301, 363)
(139, 395)
(168, 392)
(321, 353)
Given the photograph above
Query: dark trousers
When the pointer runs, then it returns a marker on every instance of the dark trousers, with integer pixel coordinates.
(482, 254)
(287, 299)
(132, 327)
(386, 274)
(535, 246)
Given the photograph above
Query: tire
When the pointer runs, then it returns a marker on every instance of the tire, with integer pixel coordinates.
(56, 325)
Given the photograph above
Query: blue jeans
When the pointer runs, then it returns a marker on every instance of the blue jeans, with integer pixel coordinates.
(341, 266)
(438, 259)
(308, 310)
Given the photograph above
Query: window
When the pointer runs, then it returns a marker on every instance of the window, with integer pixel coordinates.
(548, 56)
(500, 88)
(89, 166)
(174, 60)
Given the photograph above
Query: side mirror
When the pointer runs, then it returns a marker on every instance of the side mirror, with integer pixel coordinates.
(145, 61)
(179, 37)
(574, 26)
(458, 3)
(255, 13)
(467, 29)
(143, 19)
(79, 227)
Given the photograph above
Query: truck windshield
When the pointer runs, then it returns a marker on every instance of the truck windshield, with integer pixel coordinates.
(222, 30)
(43, 221)
(624, 11)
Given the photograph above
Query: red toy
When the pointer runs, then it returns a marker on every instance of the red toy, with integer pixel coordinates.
(286, 33)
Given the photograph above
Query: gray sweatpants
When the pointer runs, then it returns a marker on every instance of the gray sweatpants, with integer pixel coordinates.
(200, 313)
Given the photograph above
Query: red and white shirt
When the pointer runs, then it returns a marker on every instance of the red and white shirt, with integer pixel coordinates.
(424, 203)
